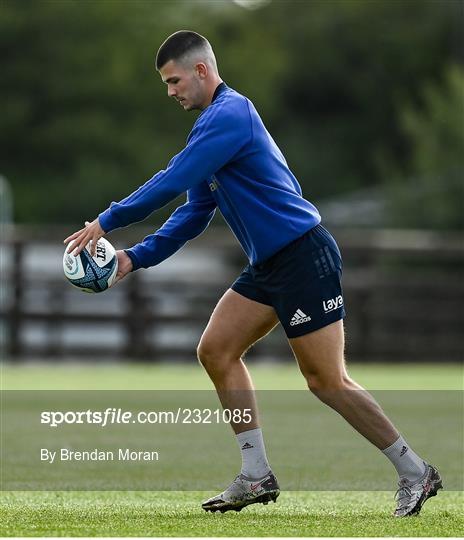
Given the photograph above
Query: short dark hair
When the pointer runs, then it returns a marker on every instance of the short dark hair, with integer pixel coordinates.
(177, 45)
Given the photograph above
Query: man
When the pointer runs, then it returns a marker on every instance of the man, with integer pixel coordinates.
(293, 277)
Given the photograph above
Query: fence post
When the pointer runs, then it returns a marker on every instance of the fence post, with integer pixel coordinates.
(55, 325)
(14, 315)
(135, 320)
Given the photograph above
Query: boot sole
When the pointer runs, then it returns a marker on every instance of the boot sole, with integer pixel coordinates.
(265, 498)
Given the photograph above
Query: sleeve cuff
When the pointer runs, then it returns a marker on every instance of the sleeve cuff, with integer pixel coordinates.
(105, 221)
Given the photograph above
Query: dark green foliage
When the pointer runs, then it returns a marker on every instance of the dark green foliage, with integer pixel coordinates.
(431, 188)
(86, 118)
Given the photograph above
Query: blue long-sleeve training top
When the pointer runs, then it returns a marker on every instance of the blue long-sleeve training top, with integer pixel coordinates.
(230, 162)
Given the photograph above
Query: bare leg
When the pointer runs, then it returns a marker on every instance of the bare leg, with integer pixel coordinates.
(235, 324)
(321, 361)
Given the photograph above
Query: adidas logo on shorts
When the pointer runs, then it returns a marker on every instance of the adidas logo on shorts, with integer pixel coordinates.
(299, 318)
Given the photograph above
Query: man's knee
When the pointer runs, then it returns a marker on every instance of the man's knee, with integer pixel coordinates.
(323, 384)
(205, 351)
(213, 355)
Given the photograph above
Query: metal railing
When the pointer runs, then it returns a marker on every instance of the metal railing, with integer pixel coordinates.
(403, 290)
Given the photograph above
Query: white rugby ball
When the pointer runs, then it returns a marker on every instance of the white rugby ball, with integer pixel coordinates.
(92, 274)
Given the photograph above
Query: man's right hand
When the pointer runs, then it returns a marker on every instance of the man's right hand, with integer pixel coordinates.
(92, 232)
(124, 265)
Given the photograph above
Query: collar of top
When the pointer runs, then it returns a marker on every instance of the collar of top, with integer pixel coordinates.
(219, 90)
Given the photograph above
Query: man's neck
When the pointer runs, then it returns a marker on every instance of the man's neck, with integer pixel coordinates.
(211, 89)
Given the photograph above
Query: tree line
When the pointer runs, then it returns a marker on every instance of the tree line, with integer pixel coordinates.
(357, 93)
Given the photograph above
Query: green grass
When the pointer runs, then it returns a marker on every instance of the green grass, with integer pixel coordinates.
(440, 376)
(176, 513)
(179, 514)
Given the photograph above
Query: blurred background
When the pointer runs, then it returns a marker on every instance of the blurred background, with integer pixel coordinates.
(365, 99)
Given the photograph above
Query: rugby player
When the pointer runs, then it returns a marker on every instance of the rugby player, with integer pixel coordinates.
(293, 277)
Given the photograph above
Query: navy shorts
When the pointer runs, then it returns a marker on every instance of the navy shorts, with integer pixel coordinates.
(302, 282)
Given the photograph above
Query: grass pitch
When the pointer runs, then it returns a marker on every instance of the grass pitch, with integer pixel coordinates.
(190, 376)
(178, 514)
(174, 513)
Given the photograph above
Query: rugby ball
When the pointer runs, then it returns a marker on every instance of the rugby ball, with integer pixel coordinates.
(92, 274)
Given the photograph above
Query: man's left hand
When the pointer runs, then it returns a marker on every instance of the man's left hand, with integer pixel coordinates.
(124, 265)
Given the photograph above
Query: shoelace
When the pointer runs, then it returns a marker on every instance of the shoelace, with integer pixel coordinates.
(238, 481)
(403, 493)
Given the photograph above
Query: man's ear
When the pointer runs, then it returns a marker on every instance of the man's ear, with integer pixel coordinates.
(202, 70)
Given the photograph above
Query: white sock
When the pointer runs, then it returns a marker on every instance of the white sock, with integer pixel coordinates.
(254, 460)
(407, 463)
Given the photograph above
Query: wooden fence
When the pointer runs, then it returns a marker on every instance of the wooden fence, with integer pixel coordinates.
(404, 295)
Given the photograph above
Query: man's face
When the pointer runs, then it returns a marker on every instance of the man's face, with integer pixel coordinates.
(184, 85)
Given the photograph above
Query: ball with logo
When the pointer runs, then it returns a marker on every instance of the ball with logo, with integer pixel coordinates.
(92, 274)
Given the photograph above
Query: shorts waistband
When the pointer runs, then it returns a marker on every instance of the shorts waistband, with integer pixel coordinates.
(277, 254)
